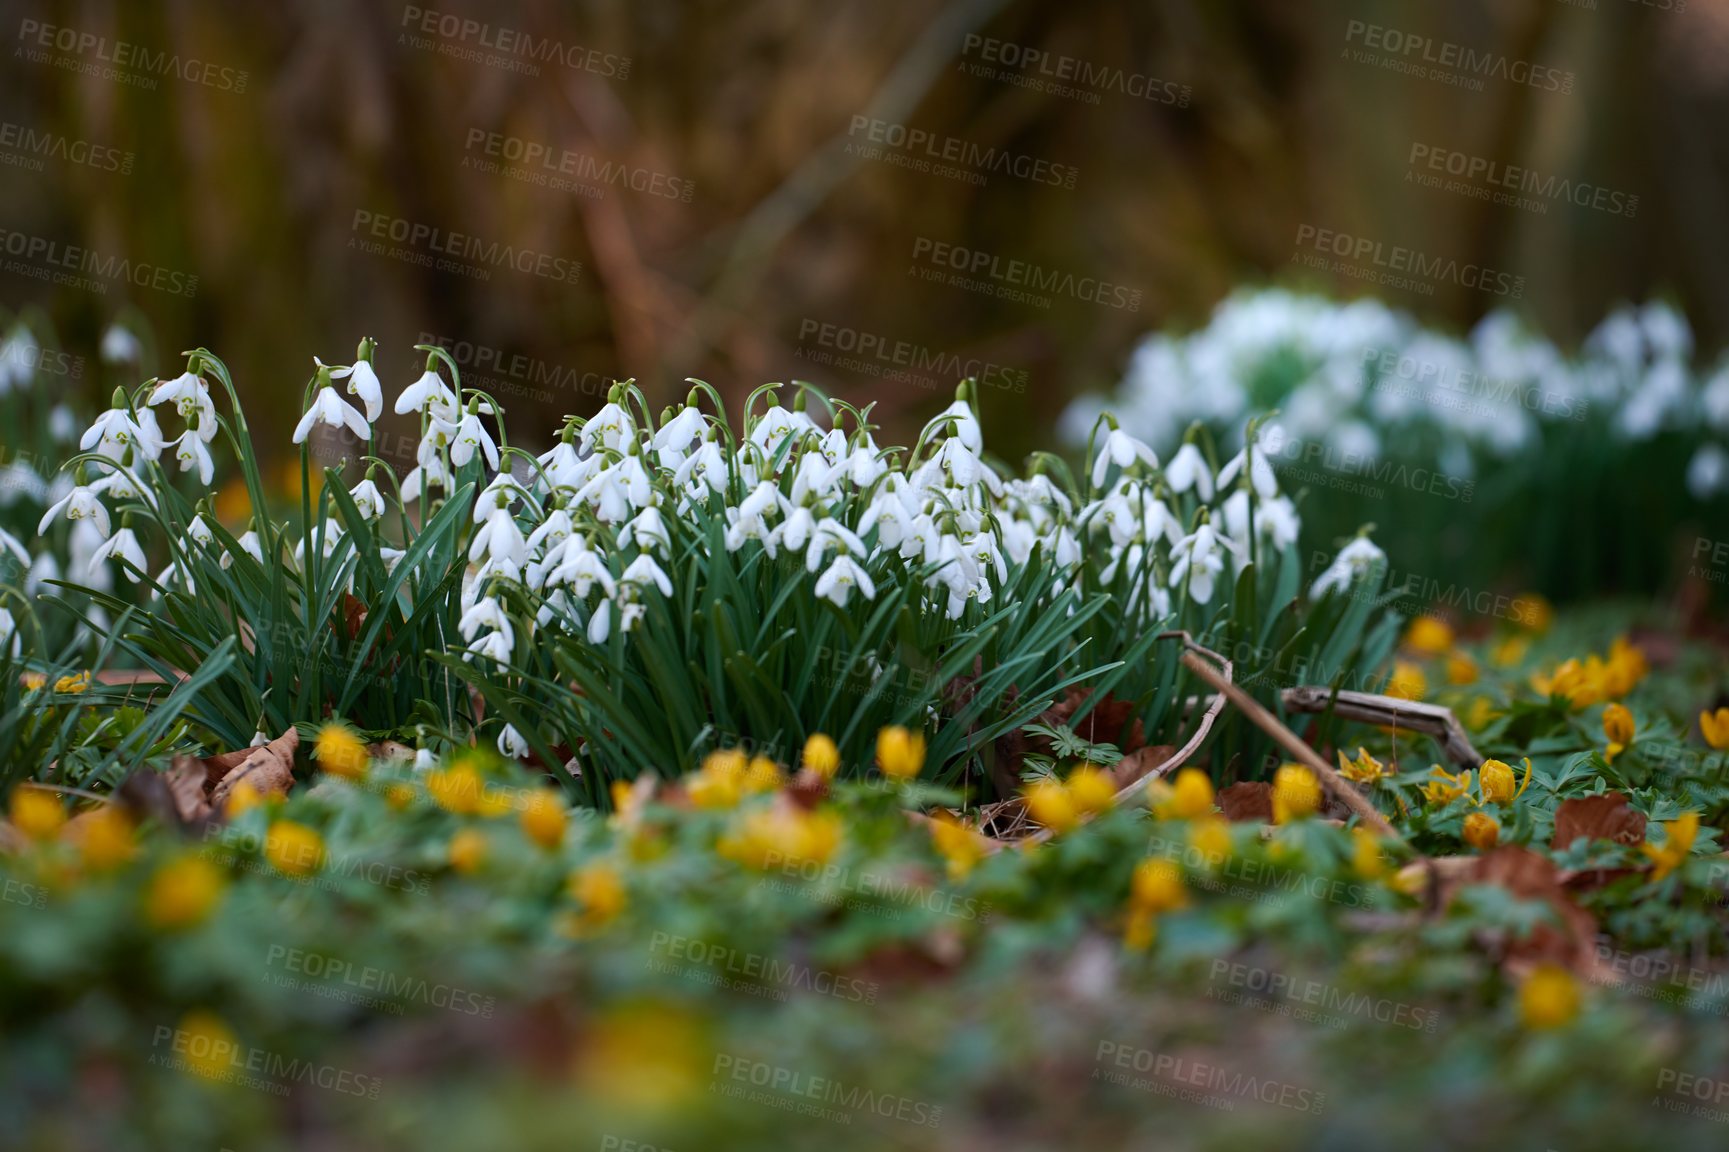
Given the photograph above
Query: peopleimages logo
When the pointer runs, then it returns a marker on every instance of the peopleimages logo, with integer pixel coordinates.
(119, 60)
(25, 147)
(563, 169)
(1069, 76)
(516, 50)
(1428, 161)
(69, 264)
(1447, 62)
(447, 251)
(1397, 266)
(977, 270)
(922, 150)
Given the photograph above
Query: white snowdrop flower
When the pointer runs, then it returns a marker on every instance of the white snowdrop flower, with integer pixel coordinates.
(815, 476)
(471, 436)
(1188, 469)
(707, 464)
(115, 431)
(19, 357)
(120, 345)
(391, 557)
(638, 485)
(9, 544)
(773, 427)
(248, 544)
(611, 427)
(123, 545)
(864, 466)
(796, 529)
(424, 760)
(563, 465)
(82, 503)
(922, 541)
(1354, 560)
(1197, 559)
(548, 539)
(62, 424)
(1261, 474)
(329, 408)
(582, 569)
(43, 568)
(836, 584)
(368, 500)
(1708, 472)
(81, 548)
(1122, 450)
(424, 477)
(831, 533)
(9, 633)
(741, 528)
(512, 745)
(173, 574)
(427, 394)
(500, 539)
(600, 623)
(672, 441)
(199, 532)
(191, 399)
(192, 454)
(363, 383)
(647, 531)
(630, 614)
(328, 536)
(964, 426)
(643, 571)
(121, 485)
(486, 612)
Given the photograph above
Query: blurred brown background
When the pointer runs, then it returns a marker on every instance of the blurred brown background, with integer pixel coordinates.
(726, 208)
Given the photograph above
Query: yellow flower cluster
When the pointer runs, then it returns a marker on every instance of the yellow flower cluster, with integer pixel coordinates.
(1061, 804)
(783, 834)
(1594, 679)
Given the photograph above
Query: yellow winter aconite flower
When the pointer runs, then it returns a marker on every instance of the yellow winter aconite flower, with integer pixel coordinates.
(104, 838)
(294, 849)
(462, 791)
(1365, 769)
(340, 752)
(72, 685)
(719, 783)
(761, 775)
(1051, 805)
(243, 798)
(467, 851)
(1092, 789)
(182, 893)
(209, 1046)
(644, 1058)
(1572, 681)
(1296, 793)
(900, 752)
(1618, 729)
(1139, 930)
(1479, 712)
(399, 796)
(1498, 784)
(821, 755)
(1510, 651)
(1533, 612)
(1482, 831)
(1678, 837)
(1366, 859)
(1461, 669)
(1626, 667)
(782, 835)
(1407, 681)
(957, 844)
(544, 818)
(1429, 635)
(37, 812)
(1549, 998)
(1715, 727)
(1189, 797)
(1210, 836)
(1157, 886)
(1444, 787)
(600, 890)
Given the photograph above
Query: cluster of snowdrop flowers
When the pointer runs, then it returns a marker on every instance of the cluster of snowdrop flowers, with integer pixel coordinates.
(1362, 379)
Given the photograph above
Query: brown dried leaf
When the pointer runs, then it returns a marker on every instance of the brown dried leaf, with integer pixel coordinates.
(1604, 817)
(1531, 876)
(1138, 763)
(1247, 801)
(186, 784)
(269, 769)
